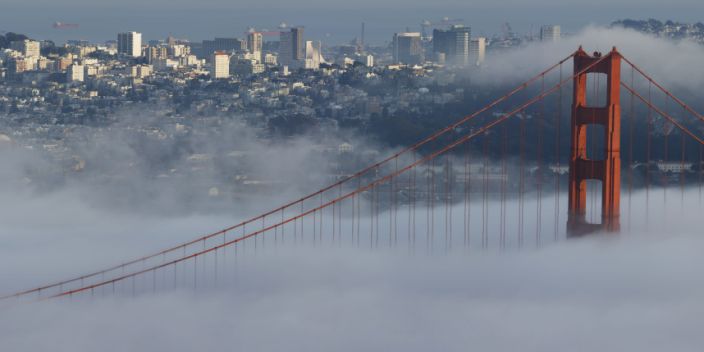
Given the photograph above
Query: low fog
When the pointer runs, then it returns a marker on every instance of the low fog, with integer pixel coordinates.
(635, 291)
(676, 65)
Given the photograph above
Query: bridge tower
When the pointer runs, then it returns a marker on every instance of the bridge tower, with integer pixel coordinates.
(582, 168)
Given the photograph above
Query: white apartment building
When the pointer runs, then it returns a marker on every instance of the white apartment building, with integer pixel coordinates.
(75, 73)
(220, 65)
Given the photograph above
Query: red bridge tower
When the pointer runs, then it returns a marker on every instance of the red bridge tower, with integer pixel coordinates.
(582, 168)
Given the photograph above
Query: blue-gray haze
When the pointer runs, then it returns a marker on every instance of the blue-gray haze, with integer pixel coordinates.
(331, 21)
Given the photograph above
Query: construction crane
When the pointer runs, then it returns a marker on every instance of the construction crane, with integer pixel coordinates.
(426, 25)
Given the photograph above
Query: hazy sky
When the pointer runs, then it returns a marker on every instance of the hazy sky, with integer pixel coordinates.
(333, 21)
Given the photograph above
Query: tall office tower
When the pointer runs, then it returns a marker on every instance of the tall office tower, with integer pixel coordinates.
(292, 49)
(130, 43)
(454, 43)
(477, 50)
(299, 46)
(28, 48)
(549, 33)
(221, 65)
(314, 56)
(285, 49)
(254, 45)
(408, 48)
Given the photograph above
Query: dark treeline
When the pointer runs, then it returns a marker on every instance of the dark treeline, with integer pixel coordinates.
(10, 37)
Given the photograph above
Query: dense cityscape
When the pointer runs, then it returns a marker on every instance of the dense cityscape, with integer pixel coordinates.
(164, 95)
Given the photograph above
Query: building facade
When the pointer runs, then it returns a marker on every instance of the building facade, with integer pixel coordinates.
(221, 65)
(407, 48)
(75, 73)
(477, 50)
(130, 44)
(550, 33)
(254, 44)
(454, 43)
(292, 48)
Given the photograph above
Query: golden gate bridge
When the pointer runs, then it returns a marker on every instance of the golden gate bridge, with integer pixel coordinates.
(440, 192)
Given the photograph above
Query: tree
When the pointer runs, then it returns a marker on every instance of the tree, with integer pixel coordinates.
(9, 38)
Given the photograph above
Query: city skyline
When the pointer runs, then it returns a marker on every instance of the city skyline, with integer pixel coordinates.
(198, 23)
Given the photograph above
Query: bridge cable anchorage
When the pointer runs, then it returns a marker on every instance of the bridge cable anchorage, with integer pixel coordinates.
(481, 131)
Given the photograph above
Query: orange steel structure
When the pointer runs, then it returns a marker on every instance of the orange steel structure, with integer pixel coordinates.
(582, 168)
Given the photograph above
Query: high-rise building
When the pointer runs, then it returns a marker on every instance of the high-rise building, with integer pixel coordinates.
(28, 48)
(75, 73)
(477, 50)
(550, 33)
(299, 49)
(63, 63)
(220, 65)
(368, 60)
(285, 48)
(314, 56)
(129, 43)
(154, 53)
(407, 48)
(292, 48)
(454, 43)
(254, 44)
